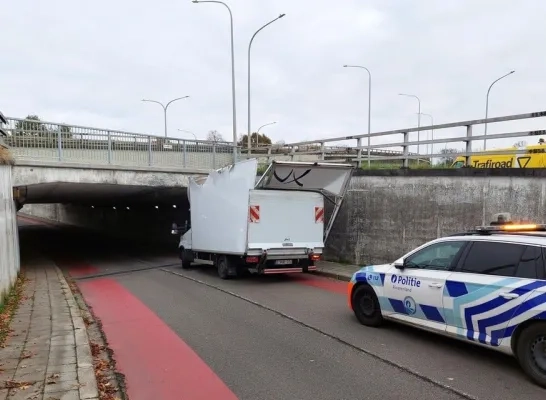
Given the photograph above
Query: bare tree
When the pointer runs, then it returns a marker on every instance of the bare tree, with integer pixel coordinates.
(215, 136)
(448, 156)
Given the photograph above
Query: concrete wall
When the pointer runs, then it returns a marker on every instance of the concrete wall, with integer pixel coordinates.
(34, 174)
(383, 217)
(9, 240)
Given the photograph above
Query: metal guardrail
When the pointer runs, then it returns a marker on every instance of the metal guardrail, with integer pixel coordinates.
(50, 141)
(384, 152)
(34, 140)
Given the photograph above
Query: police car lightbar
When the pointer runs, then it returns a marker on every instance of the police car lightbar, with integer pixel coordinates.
(512, 228)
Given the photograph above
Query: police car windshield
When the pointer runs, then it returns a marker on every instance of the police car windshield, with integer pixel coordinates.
(436, 256)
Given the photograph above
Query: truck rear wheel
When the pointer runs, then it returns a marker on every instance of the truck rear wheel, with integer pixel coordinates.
(223, 267)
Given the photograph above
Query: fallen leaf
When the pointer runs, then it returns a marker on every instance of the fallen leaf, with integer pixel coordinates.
(12, 384)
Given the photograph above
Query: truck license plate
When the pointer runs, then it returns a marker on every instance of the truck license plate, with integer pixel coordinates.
(283, 262)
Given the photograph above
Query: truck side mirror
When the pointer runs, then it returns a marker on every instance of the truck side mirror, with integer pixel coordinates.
(174, 229)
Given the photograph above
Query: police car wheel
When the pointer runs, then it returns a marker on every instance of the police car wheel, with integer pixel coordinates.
(366, 306)
(531, 352)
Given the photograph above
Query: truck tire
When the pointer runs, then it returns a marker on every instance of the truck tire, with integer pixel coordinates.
(186, 261)
(531, 352)
(223, 267)
(366, 306)
(306, 264)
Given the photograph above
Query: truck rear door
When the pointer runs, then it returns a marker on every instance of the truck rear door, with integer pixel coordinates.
(286, 220)
(329, 179)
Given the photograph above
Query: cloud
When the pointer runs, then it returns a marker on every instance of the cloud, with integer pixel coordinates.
(92, 63)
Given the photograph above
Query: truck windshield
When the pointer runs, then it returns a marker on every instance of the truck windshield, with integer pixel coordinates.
(458, 164)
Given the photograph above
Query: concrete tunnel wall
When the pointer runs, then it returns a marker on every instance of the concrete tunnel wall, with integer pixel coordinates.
(9, 240)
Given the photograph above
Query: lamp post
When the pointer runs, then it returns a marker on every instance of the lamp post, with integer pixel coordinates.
(183, 130)
(418, 121)
(258, 132)
(487, 106)
(165, 108)
(249, 129)
(369, 104)
(232, 74)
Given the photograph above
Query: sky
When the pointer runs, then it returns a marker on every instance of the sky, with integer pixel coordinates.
(91, 63)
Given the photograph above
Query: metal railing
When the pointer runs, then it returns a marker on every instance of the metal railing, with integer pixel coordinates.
(33, 140)
(398, 148)
(48, 141)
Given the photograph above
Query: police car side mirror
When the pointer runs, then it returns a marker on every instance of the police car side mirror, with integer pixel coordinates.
(399, 265)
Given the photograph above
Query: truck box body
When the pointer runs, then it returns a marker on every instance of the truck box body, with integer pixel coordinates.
(229, 217)
(277, 221)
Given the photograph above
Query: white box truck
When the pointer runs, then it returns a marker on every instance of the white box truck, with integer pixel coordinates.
(274, 226)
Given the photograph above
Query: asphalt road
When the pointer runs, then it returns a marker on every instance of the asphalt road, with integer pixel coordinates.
(291, 337)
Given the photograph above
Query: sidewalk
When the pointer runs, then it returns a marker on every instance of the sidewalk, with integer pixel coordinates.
(47, 355)
(342, 272)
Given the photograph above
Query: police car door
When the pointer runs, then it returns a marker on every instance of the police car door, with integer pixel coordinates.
(414, 288)
(485, 291)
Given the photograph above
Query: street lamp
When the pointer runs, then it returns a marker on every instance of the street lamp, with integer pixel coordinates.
(165, 108)
(369, 104)
(258, 132)
(183, 130)
(418, 120)
(487, 106)
(249, 47)
(232, 75)
(432, 133)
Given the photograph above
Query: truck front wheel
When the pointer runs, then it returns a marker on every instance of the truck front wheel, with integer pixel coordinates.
(186, 259)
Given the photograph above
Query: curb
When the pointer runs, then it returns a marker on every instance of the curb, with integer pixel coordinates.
(84, 358)
(334, 275)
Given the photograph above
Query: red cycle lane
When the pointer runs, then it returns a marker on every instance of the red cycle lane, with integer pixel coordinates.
(323, 283)
(156, 362)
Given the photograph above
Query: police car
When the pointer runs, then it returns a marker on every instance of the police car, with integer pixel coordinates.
(486, 286)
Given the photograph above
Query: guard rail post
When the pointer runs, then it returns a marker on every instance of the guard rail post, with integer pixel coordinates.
(405, 162)
(59, 143)
(467, 158)
(214, 155)
(322, 156)
(292, 152)
(184, 152)
(110, 147)
(359, 154)
(150, 151)
(268, 156)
